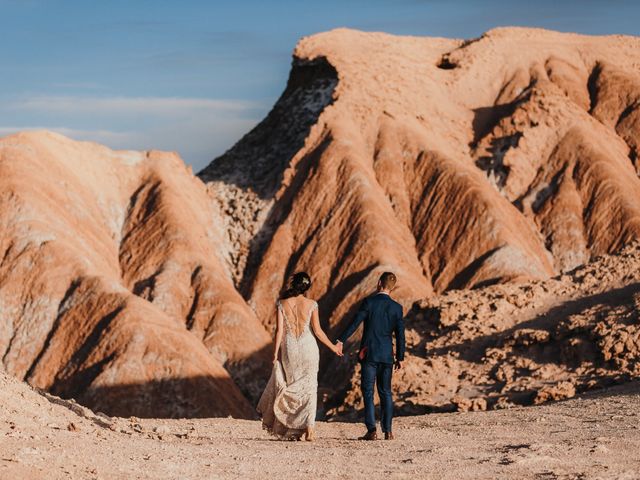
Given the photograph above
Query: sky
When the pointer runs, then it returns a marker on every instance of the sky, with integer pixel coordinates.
(193, 76)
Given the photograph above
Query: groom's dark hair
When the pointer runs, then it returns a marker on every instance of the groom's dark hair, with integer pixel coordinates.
(388, 280)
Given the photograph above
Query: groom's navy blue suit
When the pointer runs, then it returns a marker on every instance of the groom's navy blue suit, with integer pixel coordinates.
(382, 317)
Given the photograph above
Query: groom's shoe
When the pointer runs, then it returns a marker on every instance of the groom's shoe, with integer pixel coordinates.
(370, 435)
(389, 436)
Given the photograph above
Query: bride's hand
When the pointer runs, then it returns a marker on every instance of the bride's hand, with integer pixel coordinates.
(337, 350)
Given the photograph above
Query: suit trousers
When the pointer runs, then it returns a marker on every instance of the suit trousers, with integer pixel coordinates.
(380, 374)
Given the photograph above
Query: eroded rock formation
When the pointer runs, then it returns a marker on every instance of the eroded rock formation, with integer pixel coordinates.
(457, 164)
(507, 345)
(113, 284)
(492, 164)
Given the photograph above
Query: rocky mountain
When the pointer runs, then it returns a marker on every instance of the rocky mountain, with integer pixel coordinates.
(483, 172)
(508, 158)
(113, 284)
(457, 164)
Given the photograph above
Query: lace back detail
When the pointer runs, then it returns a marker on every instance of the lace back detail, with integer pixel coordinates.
(296, 324)
(289, 402)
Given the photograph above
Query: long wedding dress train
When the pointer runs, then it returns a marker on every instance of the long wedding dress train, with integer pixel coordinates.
(288, 404)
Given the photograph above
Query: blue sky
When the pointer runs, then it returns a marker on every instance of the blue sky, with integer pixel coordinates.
(193, 76)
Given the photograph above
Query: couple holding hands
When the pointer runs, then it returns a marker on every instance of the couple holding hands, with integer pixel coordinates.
(288, 404)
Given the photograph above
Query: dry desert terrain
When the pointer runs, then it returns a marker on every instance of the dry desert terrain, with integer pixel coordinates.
(593, 437)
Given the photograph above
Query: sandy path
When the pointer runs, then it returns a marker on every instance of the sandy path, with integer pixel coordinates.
(597, 436)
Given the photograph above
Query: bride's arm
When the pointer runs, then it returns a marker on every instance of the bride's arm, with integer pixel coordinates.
(320, 335)
(279, 329)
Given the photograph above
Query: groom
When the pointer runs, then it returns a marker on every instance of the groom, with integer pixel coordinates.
(382, 316)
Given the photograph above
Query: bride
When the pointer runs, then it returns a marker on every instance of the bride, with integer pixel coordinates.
(288, 404)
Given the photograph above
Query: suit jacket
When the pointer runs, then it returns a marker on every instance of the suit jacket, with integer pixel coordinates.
(382, 316)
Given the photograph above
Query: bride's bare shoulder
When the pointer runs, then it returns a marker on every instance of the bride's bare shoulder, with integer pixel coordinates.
(309, 302)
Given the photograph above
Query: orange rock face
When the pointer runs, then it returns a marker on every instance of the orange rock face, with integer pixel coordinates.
(511, 157)
(456, 164)
(504, 160)
(113, 283)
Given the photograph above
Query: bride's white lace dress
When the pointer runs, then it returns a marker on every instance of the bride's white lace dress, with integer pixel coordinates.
(288, 404)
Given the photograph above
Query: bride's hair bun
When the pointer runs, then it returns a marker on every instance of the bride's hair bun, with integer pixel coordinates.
(297, 285)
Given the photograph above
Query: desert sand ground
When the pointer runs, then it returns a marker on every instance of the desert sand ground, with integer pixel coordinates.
(595, 436)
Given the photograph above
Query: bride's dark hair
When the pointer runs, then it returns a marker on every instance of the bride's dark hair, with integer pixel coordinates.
(297, 285)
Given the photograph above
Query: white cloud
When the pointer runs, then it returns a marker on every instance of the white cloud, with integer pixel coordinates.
(102, 136)
(79, 85)
(198, 129)
(130, 105)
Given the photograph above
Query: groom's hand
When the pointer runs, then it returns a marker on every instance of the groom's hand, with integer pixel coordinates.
(339, 348)
(397, 365)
